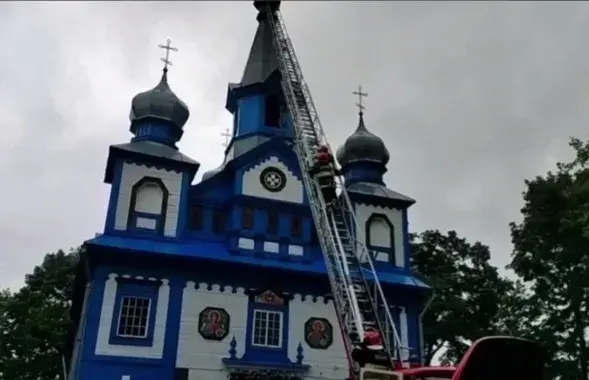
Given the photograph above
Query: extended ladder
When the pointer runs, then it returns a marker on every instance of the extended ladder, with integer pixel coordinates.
(359, 299)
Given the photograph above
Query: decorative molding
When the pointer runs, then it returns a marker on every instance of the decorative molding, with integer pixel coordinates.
(269, 298)
(272, 160)
(281, 178)
(125, 276)
(312, 299)
(142, 163)
(213, 288)
(378, 206)
(218, 288)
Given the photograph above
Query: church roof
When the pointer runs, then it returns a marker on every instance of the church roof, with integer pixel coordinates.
(262, 60)
(363, 146)
(218, 251)
(371, 190)
(149, 149)
(159, 103)
(276, 145)
(155, 149)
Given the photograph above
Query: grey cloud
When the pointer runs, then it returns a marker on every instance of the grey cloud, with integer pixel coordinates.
(471, 98)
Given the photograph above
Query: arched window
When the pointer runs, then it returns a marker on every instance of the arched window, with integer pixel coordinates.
(149, 200)
(380, 238)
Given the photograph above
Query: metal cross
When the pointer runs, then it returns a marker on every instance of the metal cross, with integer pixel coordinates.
(360, 96)
(166, 59)
(227, 136)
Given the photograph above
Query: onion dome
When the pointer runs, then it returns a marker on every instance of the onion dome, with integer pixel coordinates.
(159, 103)
(363, 146)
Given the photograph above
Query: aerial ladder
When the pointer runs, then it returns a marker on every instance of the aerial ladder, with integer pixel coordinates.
(359, 299)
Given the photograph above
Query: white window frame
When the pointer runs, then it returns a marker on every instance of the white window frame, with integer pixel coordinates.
(280, 328)
(129, 336)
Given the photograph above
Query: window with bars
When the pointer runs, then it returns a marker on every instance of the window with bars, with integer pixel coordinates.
(267, 329)
(134, 317)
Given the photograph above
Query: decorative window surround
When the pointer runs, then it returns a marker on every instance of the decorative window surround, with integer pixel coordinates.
(107, 322)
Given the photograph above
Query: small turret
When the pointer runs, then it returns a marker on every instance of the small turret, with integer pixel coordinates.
(363, 146)
(363, 156)
(158, 114)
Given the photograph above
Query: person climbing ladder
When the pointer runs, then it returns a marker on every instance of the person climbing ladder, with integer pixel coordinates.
(324, 172)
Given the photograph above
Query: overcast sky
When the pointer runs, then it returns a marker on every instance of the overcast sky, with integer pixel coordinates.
(470, 98)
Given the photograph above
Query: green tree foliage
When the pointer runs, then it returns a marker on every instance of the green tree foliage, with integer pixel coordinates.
(551, 256)
(35, 320)
(468, 292)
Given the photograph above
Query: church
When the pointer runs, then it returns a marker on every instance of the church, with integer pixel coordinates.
(226, 277)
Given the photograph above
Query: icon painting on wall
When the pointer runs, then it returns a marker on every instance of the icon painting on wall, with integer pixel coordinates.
(318, 333)
(214, 323)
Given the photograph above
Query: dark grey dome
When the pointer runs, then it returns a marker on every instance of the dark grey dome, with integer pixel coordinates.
(363, 146)
(159, 103)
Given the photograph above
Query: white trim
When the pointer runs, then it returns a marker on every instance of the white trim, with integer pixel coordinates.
(280, 328)
(130, 336)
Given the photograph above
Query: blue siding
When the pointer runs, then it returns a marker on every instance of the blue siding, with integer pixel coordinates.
(114, 197)
(99, 367)
(251, 115)
(157, 132)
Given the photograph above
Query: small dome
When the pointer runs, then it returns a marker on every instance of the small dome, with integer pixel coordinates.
(208, 174)
(159, 103)
(362, 145)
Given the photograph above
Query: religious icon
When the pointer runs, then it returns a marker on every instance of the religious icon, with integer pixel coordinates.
(318, 333)
(213, 323)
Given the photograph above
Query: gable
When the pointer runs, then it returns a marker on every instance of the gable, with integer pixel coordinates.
(272, 179)
(273, 163)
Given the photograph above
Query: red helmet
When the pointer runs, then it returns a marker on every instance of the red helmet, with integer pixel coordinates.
(372, 337)
(323, 158)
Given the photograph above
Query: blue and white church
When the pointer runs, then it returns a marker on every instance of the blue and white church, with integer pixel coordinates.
(224, 278)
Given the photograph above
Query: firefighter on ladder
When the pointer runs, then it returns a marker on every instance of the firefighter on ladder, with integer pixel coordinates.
(324, 171)
(370, 350)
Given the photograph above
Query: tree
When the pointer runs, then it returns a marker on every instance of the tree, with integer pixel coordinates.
(551, 256)
(36, 320)
(467, 292)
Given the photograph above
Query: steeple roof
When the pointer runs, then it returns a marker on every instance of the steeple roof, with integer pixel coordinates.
(159, 103)
(362, 146)
(262, 60)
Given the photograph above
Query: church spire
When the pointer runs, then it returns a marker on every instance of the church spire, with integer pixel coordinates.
(262, 60)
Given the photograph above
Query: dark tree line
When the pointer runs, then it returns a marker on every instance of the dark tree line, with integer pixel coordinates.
(546, 299)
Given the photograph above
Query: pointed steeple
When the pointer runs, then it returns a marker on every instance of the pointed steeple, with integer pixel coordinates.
(262, 61)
